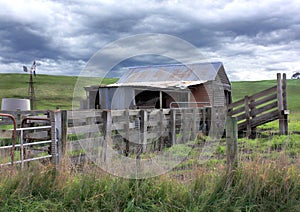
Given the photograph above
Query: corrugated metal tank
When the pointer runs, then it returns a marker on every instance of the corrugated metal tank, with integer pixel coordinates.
(13, 104)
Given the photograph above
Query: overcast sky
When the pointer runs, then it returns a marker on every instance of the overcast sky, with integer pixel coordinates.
(254, 39)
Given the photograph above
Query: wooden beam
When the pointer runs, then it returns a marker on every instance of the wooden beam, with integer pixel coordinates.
(144, 125)
(173, 126)
(280, 104)
(247, 114)
(284, 102)
(160, 99)
(107, 126)
(231, 143)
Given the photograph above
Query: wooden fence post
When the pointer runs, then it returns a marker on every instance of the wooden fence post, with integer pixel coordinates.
(144, 120)
(54, 148)
(161, 128)
(247, 113)
(231, 143)
(126, 129)
(284, 102)
(204, 124)
(137, 136)
(64, 131)
(252, 115)
(107, 128)
(280, 105)
(173, 126)
(195, 124)
(184, 126)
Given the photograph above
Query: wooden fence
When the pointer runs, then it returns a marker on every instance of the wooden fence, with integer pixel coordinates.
(132, 131)
(127, 131)
(261, 108)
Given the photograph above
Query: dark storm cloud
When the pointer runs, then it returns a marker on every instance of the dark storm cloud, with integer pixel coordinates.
(23, 43)
(247, 36)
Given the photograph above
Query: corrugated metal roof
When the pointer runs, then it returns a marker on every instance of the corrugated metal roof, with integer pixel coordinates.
(200, 72)
(160, 84)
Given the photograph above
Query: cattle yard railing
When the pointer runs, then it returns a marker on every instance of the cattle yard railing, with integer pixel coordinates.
(22, 146)
(130, 132)
(37, 138)
(263, 107)
(133, 131)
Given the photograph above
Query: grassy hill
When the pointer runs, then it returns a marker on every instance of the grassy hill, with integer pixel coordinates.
(50, 91)
(58, 90)
(243, 88)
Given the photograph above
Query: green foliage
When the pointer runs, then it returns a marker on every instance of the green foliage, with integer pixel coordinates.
(221, 150)
(179, 150)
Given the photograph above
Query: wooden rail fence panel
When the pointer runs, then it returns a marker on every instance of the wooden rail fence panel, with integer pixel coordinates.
(76, 133)
(133, 131)
(263, 107)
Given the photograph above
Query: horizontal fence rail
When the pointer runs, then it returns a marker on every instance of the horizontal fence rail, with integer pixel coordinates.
(22, 145)
(133, 131)
(128, 132)
(38, 137)
(261, 108)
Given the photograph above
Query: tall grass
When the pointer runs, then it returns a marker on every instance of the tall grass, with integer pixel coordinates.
(256, 185)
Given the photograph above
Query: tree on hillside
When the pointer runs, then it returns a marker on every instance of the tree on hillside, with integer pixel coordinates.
(296, 75)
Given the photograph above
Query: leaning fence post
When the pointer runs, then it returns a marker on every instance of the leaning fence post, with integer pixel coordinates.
(247, 113)
(231, 143)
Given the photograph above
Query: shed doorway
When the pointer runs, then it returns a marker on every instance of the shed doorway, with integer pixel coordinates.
(152, 99)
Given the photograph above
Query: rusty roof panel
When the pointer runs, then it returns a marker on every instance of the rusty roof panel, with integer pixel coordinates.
(161, 84)
(170, 73)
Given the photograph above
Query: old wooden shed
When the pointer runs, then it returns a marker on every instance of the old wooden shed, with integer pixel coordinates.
(164, 86)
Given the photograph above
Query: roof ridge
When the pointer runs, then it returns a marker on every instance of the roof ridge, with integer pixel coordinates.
(172, 64)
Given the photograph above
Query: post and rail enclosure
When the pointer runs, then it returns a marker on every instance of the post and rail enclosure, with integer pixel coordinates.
(263, 107)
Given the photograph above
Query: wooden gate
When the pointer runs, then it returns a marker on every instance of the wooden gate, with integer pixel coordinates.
(261, 108)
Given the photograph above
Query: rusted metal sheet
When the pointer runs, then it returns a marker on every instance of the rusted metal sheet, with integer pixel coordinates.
(172, 73)
(161, 84)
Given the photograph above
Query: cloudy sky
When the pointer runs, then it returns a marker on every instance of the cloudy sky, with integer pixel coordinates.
(254, 39)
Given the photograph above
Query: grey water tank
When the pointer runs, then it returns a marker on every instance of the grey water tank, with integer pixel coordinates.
(13, 104)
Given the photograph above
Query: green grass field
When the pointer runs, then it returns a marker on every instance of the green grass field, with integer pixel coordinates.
(241, 89)
(266, 179)
(50, 91)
